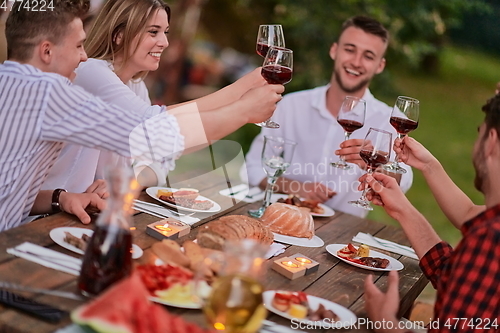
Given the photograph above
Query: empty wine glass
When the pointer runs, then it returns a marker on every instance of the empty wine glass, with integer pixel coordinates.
(269, 35)
(277, 155)
(277, 69)
(351, 117)
(375, 151)
(404, 118)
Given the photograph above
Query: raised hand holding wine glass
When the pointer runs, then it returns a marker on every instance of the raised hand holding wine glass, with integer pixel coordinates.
(277, 69)
(269, 35)
(351, 117)
(404, 119)
(276, 155)
(375, 151)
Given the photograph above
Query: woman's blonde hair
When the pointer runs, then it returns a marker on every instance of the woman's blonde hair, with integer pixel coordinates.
(125, 17)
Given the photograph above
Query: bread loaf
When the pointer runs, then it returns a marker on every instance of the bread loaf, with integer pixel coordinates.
(289, 220)
(214, 234)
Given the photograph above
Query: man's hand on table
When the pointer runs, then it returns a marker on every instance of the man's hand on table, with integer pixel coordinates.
(383, 307)
(99, 187)
(76, 203)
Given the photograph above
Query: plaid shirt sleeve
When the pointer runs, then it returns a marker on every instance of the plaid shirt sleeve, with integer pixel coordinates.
(434, 260)
(467, 280)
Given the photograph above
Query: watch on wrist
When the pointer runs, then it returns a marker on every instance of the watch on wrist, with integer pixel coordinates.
(56, 207)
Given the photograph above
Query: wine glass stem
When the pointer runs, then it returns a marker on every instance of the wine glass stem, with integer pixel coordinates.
(346, 137)
(269, 191)
(396, 163)
(365, 190)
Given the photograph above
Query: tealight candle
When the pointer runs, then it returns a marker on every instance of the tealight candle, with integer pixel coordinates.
(289, 264)
(288, 267)
(167, 228)
(310, 265)
(303, 260)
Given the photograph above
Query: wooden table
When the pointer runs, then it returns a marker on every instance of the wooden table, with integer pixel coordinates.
(335, 280)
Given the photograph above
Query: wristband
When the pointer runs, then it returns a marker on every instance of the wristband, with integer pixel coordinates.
(56, 207)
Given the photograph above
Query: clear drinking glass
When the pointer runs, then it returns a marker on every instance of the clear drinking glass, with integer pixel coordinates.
(235, 302)
(277, 69)
(269, 35)
(277, 155)
(404, 118)
(375, 151)
(351, 117)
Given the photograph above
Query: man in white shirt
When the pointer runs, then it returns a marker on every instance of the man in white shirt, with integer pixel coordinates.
(309, 118)
(41, 109)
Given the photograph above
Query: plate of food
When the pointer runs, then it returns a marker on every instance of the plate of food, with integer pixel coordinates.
(364, 257)
(299, 241)
(76, 240)
(183, 199)
(173, 285)
(317, 209)
(310, 310)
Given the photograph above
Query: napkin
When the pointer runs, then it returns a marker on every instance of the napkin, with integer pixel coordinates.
(274, 250)
(243, 193)
(384, 244)
(47, 257)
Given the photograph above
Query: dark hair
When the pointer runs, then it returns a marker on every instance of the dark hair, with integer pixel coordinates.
(26, 28)
(368, 25)
(492, 113)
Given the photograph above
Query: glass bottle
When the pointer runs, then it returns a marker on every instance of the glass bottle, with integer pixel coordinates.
(108, 257)
(235, 303)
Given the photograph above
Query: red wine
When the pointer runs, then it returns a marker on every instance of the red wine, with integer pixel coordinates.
(108, 259)
(373, 160)
(262, 49)
(349, 125)
(276, 74)
(403, 125)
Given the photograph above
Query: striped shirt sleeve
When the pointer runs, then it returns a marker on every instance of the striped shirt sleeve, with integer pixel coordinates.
(73, 115)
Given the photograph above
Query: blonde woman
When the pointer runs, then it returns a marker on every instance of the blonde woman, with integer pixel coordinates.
(124, 43)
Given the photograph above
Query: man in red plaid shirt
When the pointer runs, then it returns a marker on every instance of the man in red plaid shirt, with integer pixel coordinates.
(467, 278)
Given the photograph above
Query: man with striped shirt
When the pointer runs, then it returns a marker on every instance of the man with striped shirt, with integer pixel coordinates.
(41, 109)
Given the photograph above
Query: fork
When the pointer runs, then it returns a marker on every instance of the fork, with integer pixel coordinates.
(162, 207)
(58, 293)
(390, 244)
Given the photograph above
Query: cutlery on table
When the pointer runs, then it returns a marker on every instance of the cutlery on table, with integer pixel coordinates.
(149, 204)
(58, 293)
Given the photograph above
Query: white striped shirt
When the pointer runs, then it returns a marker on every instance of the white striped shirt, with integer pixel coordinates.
(39, 111)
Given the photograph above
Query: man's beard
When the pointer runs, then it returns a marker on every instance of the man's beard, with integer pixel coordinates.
(480, 170)
(354, 89)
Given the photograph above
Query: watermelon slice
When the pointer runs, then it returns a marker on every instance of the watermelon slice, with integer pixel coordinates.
(125, 308)
(113, 311)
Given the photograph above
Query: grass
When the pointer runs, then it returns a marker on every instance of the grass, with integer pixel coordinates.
(450, 106)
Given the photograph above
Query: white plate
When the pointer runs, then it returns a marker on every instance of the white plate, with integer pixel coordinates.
(346, 317)
(152, 192)
(57, 235)
(192, 305)
(328, 211)
(394, 264)
(299, 241)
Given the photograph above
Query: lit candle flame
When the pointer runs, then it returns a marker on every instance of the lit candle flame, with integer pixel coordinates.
(289, 264)
(164, 227)
(303, 260)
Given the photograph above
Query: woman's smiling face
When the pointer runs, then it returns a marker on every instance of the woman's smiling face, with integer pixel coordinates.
(147, 47)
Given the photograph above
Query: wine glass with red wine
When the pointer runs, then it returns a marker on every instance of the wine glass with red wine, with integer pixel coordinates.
(404, 119)
(351, 117)
(277, 69)
(269, 35)
(375, 151)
